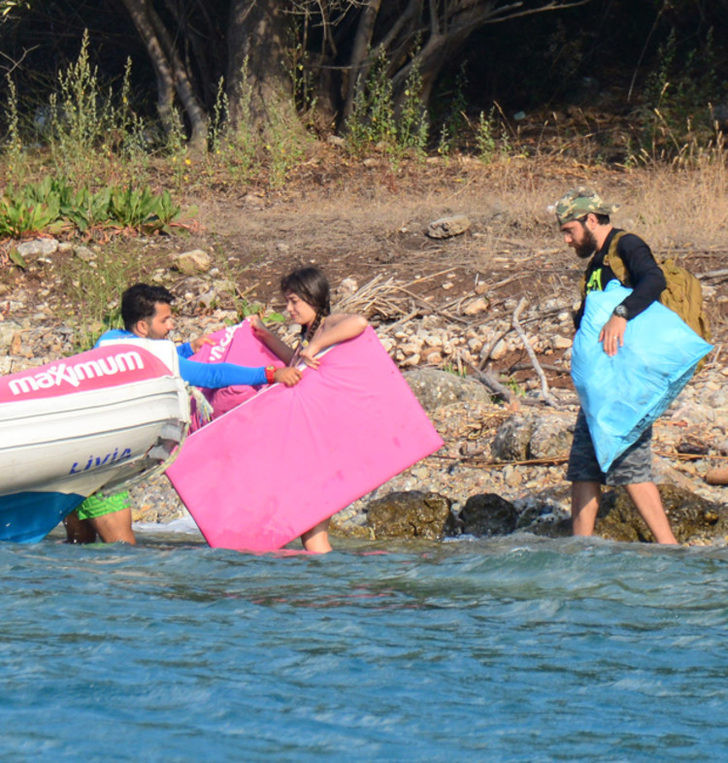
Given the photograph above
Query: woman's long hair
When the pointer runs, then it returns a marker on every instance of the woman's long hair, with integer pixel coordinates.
(310, 285)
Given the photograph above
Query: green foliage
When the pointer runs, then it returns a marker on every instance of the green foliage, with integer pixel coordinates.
(19, 215)
(444, 145)
(94, 288)
(677, 116)
(413, 125)
(372, 117)
(491, 136)
(233, 143)
(81, 116)
(55, 202)
(374, 120)
(13, 152)
(284, 150)
(141, 209)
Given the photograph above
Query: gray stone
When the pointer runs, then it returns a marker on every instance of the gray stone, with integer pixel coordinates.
(550, 438)
(413, 514)
(193, 262)
(38, 246)
(434, 388)
(447, 227)
(8, 329)
(511, 442)
(84, 253)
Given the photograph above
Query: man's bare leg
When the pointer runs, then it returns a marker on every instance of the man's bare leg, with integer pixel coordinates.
(115, 527)
(584, 506)
(316, 539)
(647, 499)
(79, 530)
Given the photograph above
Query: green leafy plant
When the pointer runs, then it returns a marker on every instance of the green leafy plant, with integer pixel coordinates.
(141, 209)
(81, 116)
(234, 146)
(13, 154)
(18, 216)
(55, 202)
(413, 125)
(372, 117)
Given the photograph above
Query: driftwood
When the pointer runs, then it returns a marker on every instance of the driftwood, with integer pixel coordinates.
(545, 394)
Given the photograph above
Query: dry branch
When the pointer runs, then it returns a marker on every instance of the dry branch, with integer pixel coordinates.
(545, 394)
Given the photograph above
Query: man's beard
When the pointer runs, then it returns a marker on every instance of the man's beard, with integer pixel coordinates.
(588, 246)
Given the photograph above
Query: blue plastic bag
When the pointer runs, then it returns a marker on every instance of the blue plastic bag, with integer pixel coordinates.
(623, 394)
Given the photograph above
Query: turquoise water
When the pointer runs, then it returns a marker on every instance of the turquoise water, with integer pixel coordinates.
(513, 649)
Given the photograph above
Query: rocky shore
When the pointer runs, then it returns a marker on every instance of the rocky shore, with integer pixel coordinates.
(506, 436)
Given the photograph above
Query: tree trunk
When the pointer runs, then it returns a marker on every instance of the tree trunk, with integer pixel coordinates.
(258, 66)
(171, 74)
(165, 79)
(360, 51)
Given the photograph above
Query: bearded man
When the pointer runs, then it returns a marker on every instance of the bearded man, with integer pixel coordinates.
(583, 219)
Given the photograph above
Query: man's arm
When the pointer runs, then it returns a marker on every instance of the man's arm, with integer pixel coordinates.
(215, 375)
(645, 275)
(647, 280)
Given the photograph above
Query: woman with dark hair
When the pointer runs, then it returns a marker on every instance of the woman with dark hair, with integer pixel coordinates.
(308, 303)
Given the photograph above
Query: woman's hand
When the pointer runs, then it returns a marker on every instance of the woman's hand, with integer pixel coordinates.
(308, 356)
(257, 327)
(197, 343)
(287, 375)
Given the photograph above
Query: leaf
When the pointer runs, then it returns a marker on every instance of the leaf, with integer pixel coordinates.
(17, 259)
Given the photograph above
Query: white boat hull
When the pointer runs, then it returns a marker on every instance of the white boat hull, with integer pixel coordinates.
(88, 422)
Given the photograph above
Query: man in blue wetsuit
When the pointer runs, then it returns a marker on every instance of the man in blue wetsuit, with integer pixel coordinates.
(147, 313)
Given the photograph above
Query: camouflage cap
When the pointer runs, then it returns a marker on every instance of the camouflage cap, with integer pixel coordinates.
(579, 202)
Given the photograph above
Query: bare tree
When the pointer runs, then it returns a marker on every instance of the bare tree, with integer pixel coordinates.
(172, 75)
(425, 34)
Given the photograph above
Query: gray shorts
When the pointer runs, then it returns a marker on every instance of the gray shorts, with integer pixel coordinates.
(632, 467)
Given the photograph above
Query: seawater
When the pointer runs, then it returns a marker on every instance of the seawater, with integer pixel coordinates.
(508, 649)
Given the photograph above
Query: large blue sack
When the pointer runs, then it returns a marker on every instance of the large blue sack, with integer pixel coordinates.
(623, 394)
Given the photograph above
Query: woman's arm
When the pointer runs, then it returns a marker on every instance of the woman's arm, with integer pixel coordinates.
(276, 345)
(336, 328)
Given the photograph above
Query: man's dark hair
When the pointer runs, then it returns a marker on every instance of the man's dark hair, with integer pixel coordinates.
(139, 302)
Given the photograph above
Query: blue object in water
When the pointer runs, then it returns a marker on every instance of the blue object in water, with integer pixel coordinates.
(623, 394)
(28, 517)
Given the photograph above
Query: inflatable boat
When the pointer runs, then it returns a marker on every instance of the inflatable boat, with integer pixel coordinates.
(90, 421)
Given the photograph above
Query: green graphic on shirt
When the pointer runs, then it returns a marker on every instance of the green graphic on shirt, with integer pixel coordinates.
(595, 281)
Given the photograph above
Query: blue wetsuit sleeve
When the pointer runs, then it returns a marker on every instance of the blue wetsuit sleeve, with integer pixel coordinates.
(185, 350)
(215, 375)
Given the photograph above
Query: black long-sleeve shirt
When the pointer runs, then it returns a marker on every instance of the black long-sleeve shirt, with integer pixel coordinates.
(646, 277)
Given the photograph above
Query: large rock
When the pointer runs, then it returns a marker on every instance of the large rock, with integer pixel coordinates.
(521, 438)
(37, 247)
(487, 514)
(434, 388)
(693, 519)
(511, 442)
(446, 227)
(412, 514)
(551, 437)
(193, 262)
